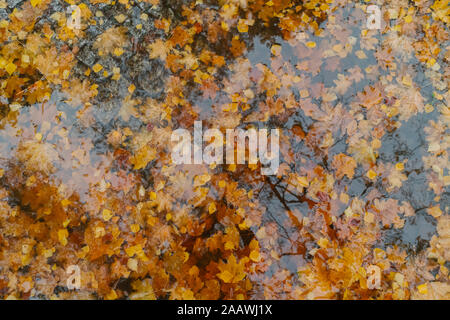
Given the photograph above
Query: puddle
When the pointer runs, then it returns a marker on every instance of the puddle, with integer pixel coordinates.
(344, 91)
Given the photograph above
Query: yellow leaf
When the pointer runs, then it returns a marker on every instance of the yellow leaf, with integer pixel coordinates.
(437, 95)
(360, 54)
(242, 26)
(304, 93)
(225, 26)
(135, 228)
(371, 174)
(111, 296)
(131, 251)
(118, 51)
(38, 136)
(323, 242)
(243, 226)
(423, 288)
(120, 18)
(212, 208)
(400, 166)
(201, 180)
(225, 276)
(254, 256)
(434, 211)
(431, 62)
(344, 198)
(276, 50)
(407, 81)
(158, 49)
(132, 264)
(408, 19)
(229, 245)
(25, 58)
(65, 202)
(249, 93)
(97, 67)
(429, 108)
(369, 217)
(303, 181)
(338, 48)
(10, 68)
(143, 157)
(107, 214)
(376, 143)
(62, 236)
(34, 3)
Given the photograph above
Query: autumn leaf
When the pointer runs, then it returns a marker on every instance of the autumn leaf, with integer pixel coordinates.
(111, 39)
(158, 49)
(232, 271)
(344, 165)
(87, 178)
(142, 157)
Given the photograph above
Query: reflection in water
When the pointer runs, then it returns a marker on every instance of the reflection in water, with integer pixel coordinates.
(87, 179)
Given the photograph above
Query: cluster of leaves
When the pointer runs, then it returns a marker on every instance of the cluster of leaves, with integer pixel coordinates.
(86, 176)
